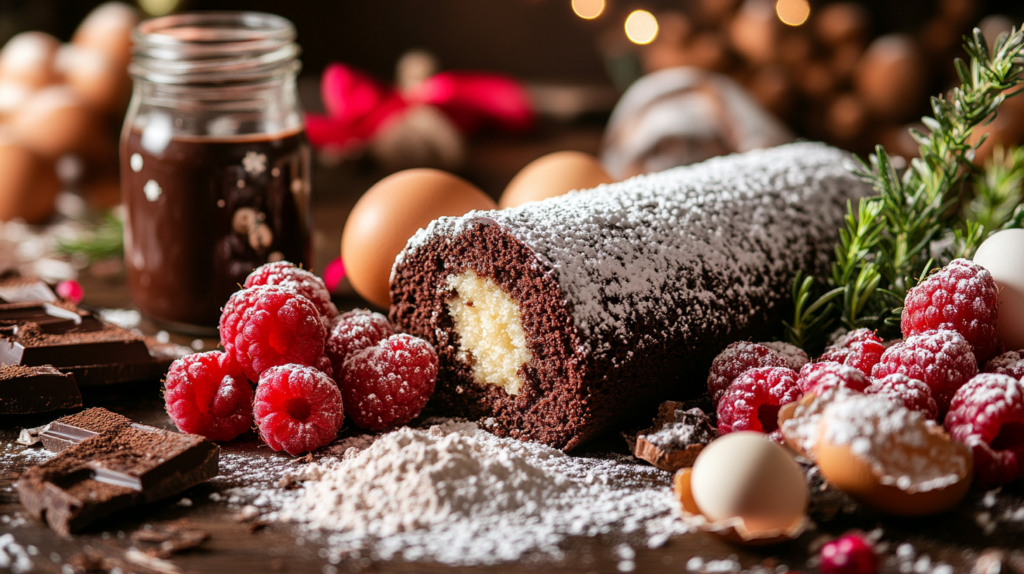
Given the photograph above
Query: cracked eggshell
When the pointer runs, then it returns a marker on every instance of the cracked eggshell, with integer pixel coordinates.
(746, 489)
(389, 213)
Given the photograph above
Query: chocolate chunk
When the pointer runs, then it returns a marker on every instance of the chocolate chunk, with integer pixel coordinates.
(73, 429)
(26, 390)
(25, 290)
(676, 438)
(77, 342)
(112, 471)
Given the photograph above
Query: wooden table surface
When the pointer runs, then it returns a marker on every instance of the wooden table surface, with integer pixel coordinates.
(954, 539)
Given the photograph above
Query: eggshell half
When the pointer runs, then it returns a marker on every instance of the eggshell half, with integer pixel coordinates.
(389, 213)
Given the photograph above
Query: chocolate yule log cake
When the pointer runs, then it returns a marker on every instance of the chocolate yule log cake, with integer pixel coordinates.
(556, 319)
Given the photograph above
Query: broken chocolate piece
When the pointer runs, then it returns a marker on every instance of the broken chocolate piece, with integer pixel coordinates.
(26, 390)
(112, 471)
(70, 430)
(676, 438)
(77, 342)
(25, 290)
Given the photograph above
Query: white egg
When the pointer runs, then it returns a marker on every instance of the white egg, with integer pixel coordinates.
(1003, 255)
(746, 475)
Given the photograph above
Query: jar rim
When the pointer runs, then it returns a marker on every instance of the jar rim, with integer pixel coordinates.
(213, 47)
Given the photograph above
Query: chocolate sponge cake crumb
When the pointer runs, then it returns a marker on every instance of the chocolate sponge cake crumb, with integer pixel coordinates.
(625, 293)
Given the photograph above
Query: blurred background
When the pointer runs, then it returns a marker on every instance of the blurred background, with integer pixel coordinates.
(854, 74)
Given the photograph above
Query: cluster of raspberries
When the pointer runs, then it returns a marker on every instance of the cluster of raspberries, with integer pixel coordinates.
(949, 329)
(311, 367)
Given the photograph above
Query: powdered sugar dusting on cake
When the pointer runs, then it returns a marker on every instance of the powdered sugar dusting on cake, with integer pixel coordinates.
(696, 249)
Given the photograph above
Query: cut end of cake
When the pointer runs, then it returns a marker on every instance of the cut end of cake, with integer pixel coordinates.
(490, 329)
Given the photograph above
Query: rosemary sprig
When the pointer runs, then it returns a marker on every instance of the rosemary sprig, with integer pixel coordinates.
(888, 243)
(104, 242)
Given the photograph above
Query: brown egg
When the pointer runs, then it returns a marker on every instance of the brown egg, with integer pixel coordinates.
(28, 183)
(27, 59)
(12, 97)
(108, 28)
(890, 458)
(103, 85)
(890, 77)
(755, 30)
(553, 175)
(389, 213)
(841, 23)
(54, 121)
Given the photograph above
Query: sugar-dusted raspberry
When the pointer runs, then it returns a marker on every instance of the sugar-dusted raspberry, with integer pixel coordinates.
(207, 394)
(962, 297)
(287, 275)
(818, 377)
(943, 360)
(911, 393)
(753, 400)
(389, 383)
(987, 414)
(323, 364)
(849, 554)
(1010, 363)
(298, 408)
(735, 360)
(794, 356)
(354, 331)
(860, 349)
(267, 326)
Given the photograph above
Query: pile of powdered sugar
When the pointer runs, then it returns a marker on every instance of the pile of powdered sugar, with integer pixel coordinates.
(459, 495)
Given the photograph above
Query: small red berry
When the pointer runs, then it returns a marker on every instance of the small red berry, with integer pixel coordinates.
(334, 273)
(943, 360)
(987, 414)
(911, 393)
(1009, 363)
(735, 360)
(71, 290)
(389, 383)
(352, 332)
(819, 377)
(961, 297)
(860, 349)
(287, 275)
(298, 409)
(323, 364)
(753, 400)
(267, 326)
(207, 394)
(849, 554)
(794, 356)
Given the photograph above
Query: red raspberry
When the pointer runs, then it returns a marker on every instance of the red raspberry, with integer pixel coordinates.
(911, 393)
(389, 383)
(794, 356)
(354, 331)
(267, 326)
(753, 400)
(735, 360)
(323, 364)
(987, 414)
(961, 297)
(298, 408)
(1010, 363)
(941, 359)
(207, 394)
(859, 349)
(849, 554)
(819, 377)
(287, 275)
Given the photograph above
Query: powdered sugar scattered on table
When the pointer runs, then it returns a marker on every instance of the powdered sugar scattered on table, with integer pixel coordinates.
(459, 495)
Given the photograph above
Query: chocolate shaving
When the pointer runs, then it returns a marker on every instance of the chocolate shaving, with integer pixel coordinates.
(676, 437)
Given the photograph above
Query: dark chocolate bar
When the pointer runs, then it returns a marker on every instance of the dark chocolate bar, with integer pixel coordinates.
(27, 390)
(70, 430)
(76, 341)
(562, 318)
(112, 471)
(25, 290)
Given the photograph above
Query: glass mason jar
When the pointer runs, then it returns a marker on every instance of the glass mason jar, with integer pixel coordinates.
(214, 162)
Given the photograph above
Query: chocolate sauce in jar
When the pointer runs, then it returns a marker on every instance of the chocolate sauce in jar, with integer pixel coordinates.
(203, 212)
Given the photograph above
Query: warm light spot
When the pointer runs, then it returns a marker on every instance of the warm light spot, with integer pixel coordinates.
(793, 12)
(588, 9)
(159, 7)
(641, 27)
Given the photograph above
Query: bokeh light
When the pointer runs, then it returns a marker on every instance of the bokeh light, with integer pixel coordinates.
(159, 7)
(793, 12)
(588, 9)
(641, 27)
